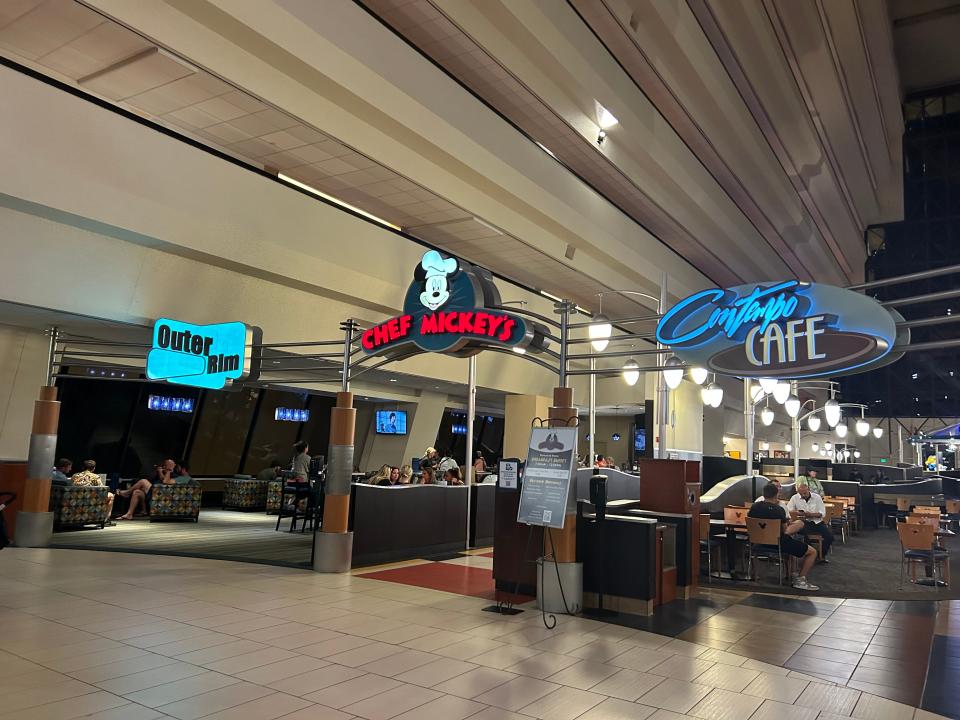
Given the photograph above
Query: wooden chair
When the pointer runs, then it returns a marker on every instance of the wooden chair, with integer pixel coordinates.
(850, 510)
(903, 509)
(923, 519)
(764, 538)
(708, 543)
(927, 510)
(838, 520)
(917, 543)
(735, 515)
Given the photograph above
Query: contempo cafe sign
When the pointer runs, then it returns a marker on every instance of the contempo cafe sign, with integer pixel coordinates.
(451, 307)
(788, 329)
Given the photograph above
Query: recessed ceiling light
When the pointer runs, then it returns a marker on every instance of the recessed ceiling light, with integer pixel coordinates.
(607, 118)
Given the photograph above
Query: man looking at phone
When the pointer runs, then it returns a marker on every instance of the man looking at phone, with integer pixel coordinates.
(808, 506)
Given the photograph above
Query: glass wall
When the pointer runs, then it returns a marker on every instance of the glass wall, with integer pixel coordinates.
(159, 432)
(271, 438)
(221, 431)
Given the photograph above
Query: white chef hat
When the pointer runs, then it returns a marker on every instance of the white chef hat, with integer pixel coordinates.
(434, 264)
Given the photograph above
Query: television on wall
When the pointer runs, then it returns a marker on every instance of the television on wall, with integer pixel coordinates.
(640, 441)
(391, 422)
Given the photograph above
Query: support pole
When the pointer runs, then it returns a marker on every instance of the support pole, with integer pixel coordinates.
(662, 390)
(34, 520)
(563, 414)
(333, 545)
(593, 413)
(748, 424)
(796, 436)
(471, 411)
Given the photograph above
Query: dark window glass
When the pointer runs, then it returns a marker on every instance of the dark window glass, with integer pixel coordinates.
(156, 435)
(317, 431)
(221, 431)
(273, 438)
(94, 415)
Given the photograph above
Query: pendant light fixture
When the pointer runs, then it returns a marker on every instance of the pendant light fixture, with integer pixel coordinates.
(878, 432)
(841, 430)
(631, 372)
(698, 375)
(768, 384)
(673, 372)
(766, 415)
(815, 447)
(831, 412)
(813, 422)
(792, 406)
(781, 391)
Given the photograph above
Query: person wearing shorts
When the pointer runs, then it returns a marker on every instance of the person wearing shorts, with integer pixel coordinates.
(769, 508)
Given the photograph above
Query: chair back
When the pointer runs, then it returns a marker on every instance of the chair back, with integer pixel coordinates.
(763, 531)
(733, 515)
(903, 503)
(923, 519)
(927, 510)
(829, 512)
(847, 500)
(914, 536)
(953, 507)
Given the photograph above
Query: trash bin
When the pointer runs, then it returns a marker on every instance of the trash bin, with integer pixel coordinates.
(549, 597)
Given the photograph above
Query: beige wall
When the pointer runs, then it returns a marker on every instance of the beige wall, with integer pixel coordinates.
(23, 361)
(519, 412)
(423, 422)
(604, 444)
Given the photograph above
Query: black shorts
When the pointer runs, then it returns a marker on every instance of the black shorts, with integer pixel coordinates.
(792, 546)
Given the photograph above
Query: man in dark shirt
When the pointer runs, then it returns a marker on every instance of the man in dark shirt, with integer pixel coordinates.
(769, 508)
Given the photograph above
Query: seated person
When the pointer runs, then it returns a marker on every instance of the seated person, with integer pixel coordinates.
(90, 478)
(382, 474)
(406, 475)
(783, 503)
(392, 479)
(451, 476)
(808, 507)
(812, 482)
(272, 472)
(181, 476)
(769, 508)
(446, 462)
(61, 472)
(140, 490)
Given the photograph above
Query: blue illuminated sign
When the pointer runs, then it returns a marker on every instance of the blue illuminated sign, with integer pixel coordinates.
(788, 329)
(170, 404)
(291, 415)
(204, 356)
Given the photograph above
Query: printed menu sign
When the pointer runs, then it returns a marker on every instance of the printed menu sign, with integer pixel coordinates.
(508, 473)
(547, 476)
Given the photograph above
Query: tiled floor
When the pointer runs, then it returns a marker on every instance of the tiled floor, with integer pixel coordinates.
(85, 634)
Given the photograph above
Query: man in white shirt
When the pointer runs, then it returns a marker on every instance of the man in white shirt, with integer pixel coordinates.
(808, 506)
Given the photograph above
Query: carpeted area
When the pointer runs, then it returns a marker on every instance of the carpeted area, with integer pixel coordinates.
(866, 566)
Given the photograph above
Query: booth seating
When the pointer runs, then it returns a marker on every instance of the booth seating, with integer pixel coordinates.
(77, 505)
(175, 502)
(244, 493)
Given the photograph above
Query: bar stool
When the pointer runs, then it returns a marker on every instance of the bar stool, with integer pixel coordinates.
(291, 498)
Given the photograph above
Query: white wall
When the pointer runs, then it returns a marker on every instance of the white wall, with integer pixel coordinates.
(23, 362)
(423, 423)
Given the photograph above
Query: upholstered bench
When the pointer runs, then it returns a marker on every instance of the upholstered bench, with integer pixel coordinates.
(175, 502)
(77, 505)
(245, 494)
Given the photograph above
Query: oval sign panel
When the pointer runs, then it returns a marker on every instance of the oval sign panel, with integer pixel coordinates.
(787, 329)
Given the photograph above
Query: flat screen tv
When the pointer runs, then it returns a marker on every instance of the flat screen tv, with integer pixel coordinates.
(640, 440)
(392, 422)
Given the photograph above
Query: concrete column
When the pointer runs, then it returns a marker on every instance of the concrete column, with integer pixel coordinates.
(519, 412)
(34, 521)
(333, 546)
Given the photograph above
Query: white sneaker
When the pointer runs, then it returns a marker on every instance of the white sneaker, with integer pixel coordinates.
(801, 584)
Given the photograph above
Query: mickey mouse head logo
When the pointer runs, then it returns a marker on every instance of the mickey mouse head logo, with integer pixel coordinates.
(435, 289)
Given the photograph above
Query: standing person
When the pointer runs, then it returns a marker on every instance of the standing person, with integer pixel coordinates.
(769, 507)
(808, 507)
(479, 463)
(87, 477)
(139, 492)
(812, 482)
(61, 472)
(301, 461)
(446, 462)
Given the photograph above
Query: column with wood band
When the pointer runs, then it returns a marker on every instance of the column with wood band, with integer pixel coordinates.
(334, 543)
(34, 521)
(563, 414)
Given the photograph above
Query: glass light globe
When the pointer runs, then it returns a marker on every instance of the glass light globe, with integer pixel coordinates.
(828, 446)
(862, 427)
(698, 375)
(788, 447)
(673, 372)
(878, 432)
(599, 332)
(756, 392)
(716, 395)
(856, 454)
(841, 430)
(823, 453)
(792, 406)
(831, 411)
(813, 422)
(764, 445)
(768, 384)
(631, 372)
(766, 416)
(781, 391)
(815, 447)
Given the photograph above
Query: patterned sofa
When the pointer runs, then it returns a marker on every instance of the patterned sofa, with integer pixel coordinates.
(175, 502)
(274, 494)
(245, 494)
(76, 505)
